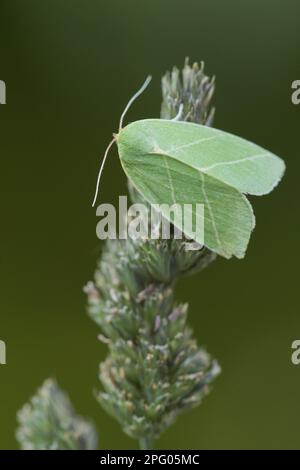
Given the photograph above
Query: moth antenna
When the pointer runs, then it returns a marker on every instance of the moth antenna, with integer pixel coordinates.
(135, 96)
(101, 169)
(179, 114)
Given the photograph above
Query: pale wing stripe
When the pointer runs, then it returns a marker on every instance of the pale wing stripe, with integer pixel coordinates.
(235, 162)
(191, 144)
(170, 179)
(210, 211)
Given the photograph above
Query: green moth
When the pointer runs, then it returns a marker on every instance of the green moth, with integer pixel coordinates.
(175, 162)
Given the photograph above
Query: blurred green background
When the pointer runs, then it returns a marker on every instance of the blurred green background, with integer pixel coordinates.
(70, 67)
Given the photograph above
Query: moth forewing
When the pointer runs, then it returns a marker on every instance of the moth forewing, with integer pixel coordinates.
(233, 160)
(184, 163)
(163, 180)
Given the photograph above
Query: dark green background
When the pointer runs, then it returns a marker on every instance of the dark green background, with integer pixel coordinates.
(70, 67)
